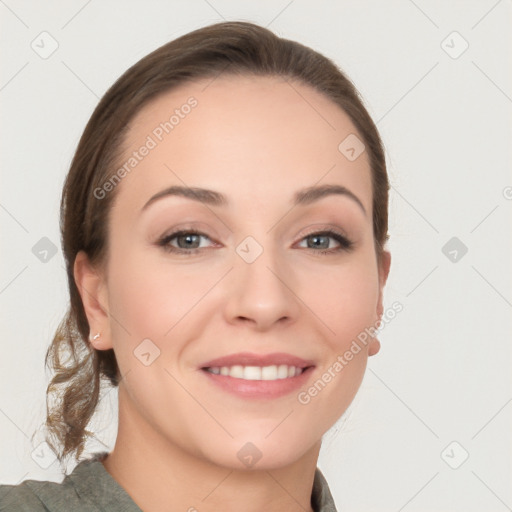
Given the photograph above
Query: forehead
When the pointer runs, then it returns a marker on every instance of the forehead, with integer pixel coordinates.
(252, 138)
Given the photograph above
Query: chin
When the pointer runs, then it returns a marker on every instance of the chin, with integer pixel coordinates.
(254, 452)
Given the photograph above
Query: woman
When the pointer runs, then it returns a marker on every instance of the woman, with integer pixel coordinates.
(224, 224)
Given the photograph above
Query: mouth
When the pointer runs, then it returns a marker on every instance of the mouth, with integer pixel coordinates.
(258, 376)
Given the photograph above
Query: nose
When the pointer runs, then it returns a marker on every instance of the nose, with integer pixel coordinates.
(261, 293)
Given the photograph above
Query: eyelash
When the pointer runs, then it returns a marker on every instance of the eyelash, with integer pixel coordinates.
(344, 243)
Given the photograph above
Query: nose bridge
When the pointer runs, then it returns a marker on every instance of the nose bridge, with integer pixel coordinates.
(260, 288)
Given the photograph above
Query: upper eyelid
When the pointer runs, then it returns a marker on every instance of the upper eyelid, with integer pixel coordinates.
(325, 230)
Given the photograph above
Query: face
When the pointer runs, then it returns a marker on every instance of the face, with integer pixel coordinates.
(278, 282)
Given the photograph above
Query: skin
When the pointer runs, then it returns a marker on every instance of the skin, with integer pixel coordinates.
(256, 140)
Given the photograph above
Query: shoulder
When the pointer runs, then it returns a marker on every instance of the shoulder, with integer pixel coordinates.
(29, 495)
(89, 488)
(36, 495)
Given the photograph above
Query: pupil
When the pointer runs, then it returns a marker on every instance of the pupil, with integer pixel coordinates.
(324, 245)
(188, 238)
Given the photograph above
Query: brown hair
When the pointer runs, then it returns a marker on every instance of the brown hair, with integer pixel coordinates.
(244, 48)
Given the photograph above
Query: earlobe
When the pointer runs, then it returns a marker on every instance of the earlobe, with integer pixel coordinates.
(374, 347)
(92, 289)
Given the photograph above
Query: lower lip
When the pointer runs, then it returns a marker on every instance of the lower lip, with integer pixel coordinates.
(265, 389)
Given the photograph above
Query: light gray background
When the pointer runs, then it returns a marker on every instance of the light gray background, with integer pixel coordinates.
(444, 370)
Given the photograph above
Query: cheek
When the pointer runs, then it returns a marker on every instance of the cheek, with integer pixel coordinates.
(157, 300)
(344, 298)
(345, 302)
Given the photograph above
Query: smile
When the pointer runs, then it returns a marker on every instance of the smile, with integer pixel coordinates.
(273, 372)
(258, 382)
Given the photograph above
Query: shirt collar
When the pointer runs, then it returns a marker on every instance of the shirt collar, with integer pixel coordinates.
(95, 484)
(321, 497)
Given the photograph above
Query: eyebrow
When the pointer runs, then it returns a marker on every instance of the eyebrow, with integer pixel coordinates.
(302, 197)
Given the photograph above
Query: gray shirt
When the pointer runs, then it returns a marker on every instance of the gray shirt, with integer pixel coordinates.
(91, 488)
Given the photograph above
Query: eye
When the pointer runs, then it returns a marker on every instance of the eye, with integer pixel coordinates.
(319, 241)
(188, 242)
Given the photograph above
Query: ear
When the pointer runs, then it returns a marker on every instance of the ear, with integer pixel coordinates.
(384, 266)
(93, 291)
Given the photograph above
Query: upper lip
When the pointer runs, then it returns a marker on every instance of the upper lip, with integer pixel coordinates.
(251, 359)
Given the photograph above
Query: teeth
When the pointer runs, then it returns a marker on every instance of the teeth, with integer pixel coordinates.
(282, 371)
(236, 371)
(252, 373)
